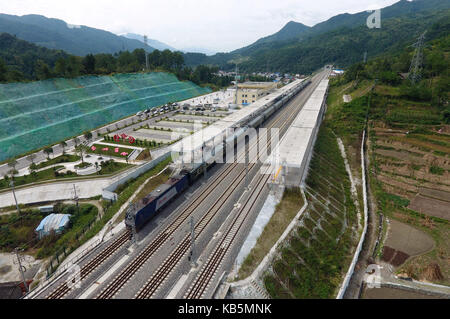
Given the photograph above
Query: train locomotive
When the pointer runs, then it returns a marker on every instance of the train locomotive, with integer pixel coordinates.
(149, 206)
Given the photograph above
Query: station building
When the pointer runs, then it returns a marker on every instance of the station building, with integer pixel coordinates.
(250, 92)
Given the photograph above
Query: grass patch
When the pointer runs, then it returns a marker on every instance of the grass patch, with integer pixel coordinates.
(144, 156)
(110, 167)
(436, 170)
(83, 165)
(151, 185)
(67, 158)
(284, 213)
(45, 175)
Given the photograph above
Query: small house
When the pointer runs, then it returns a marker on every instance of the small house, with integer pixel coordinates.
(53, 223)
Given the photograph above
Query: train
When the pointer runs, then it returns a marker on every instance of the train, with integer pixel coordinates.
(148, 207)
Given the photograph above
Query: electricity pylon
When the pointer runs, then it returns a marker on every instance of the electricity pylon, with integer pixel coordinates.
(416, 64)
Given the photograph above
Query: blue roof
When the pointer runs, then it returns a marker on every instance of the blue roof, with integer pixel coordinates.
(53, 222)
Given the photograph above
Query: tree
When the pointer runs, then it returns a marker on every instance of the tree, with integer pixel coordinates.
(43, 71)
(63, 145)
(31, 158)
(81, 149)
(105, 63)
(12, 163)
(48, 151)
(3, 71)
(61, 67)
(33, 172)
(89, 64)
(88, 136)
(76, 141)
(74, 66)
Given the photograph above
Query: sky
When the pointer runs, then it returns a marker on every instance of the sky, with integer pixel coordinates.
(214, 25)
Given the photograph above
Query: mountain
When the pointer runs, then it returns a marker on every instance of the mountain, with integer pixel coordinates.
(342, 39)
(57, 34)
(23, 58)
(151, 42)
(198, 50)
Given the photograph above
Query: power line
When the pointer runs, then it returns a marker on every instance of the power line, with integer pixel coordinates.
(415, 70)
(146, 54)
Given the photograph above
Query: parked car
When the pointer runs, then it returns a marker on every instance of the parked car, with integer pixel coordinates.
(139, 113)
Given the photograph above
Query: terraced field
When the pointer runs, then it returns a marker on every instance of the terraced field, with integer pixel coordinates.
(410, 155)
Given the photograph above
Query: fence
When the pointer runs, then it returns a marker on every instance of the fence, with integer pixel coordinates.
(351, 270)
(65, 251)
(108, 192)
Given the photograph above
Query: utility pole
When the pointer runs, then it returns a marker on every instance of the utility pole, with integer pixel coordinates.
(22, 269)
(283, 172)
(205, 174)
(14, 194)
(246, 149)
(146, 54)
(417, 61)
(237, 87)
(76, 198)
(182, 155)
(192, 253)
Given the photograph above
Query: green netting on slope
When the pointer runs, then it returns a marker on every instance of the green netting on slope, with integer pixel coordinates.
(36, 114)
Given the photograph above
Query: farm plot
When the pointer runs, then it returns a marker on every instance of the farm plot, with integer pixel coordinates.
(431, 206)
(404, 241)
(410, 180)
(393, 293)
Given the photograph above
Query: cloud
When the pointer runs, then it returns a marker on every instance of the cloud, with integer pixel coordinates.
(219, 25)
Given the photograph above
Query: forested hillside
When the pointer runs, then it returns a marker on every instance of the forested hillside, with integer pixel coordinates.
(59, 35)
(342, 40)
(23, 61)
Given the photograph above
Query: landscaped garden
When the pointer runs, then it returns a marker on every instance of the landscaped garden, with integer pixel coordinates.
(107, 150)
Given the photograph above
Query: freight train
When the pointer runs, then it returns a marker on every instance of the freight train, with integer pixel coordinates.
(150, 205)
(153, 203)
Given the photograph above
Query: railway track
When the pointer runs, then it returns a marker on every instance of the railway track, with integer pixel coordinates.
(159, 241)
(164, 270)
(86, 270)
(210, 268)
(121, 279)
